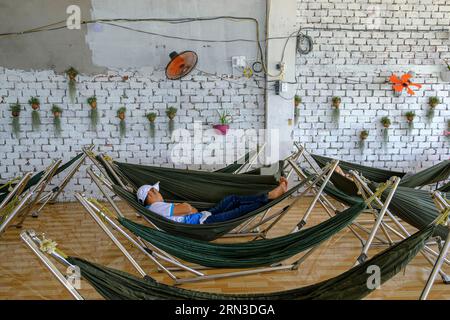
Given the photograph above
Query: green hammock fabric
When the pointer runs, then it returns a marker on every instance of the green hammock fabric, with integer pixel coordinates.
(194, 185)
(414, 206)
(206, 232)
(373, 174)
(35, 179)
(436, 173)
(445, 187)
(352, 284)
(245, 255)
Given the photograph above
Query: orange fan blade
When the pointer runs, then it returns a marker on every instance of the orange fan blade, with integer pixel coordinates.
(398, 87)
(394, 79)
(406, 77)
(411, 92)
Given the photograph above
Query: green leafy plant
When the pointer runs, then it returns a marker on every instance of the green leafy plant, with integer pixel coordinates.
(225, 117)
(433, 102)
(386, 122)
(335, 103)
(410, 115)
(447, 64)
(363, 135)
(93, 113)
(35, 116)
(151, 117)
(34, 103)
(122, 125)
(171, 112)
(57, 111)
(15, 111)
(297, 100)
(72, 74)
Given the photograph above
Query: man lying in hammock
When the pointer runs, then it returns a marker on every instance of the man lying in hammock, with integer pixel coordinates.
(230, 207)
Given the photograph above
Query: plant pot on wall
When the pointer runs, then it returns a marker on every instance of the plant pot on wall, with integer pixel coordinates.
(363, 135)
(72, 74)
(224, 120)
(336, 104)
(386, 122)
(433, 102)
(410, 115)
(297, 102)
(151, 117)
(15, 112)
(93, 113)
(57, 111)
(171, 113)
(35, 116)
(122, 125)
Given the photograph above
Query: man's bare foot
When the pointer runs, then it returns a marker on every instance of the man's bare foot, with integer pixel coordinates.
(280, 190)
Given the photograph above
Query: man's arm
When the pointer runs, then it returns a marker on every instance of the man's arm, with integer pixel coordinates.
(181, 209)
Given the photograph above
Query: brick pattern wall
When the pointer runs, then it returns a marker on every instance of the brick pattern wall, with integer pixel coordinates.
(380, 38)
(197, 98)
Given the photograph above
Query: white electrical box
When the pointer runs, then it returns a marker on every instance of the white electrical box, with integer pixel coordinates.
(284, 87)
(238, 62)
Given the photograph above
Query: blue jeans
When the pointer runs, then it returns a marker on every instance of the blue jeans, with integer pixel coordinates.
(232, 207)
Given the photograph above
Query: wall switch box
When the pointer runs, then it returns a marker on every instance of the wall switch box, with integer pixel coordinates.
(238, 61)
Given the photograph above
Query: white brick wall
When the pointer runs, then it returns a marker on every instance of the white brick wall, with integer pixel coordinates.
(355, 65)
(197, 97)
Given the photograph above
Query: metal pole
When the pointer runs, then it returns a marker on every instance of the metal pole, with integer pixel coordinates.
(17, 190)
(110, 235)
(363, 256)
(25, 235)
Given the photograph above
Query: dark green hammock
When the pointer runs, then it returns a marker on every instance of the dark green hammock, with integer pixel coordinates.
(194, 185)
(38, 176)
(445, 187)
(436, 173)
(238, 163)
(414, 206)
(352, 284)
(206, 232)
(245, 255)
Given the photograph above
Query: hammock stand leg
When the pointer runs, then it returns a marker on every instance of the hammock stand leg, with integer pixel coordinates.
(250, 163)
(440, 260)
(90, 154)
(17, 190)
(398, 224)
(16, 210)
(149, 252)
(302, 222)
(115, 174)
(52, 195)
(363, 256)
(40, 186)
(30, 240)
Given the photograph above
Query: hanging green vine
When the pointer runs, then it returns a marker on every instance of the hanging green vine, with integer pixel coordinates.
(57, 111)
(386, 122)
(15, 112)
(410, 115)
(297, 102)
(72, 74)
(336, 115)
(35, 116)
(363, 135)
(171, 112)
(433, 102)
(93, 113)
(151, 117)
(122, 125)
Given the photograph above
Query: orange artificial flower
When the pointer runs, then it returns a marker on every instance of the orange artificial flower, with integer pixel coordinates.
(403, 83)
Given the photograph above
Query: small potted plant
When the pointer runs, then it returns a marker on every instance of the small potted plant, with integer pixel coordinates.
(363, 135)
(72, 74)
(171, 112)
(57, 111)
(34, 103)
(93, 113)
(433, 102)
(386, 122)
(297, 100)
(336, 103)
(151, 117)
(410, 115)
(445, 75)
(224, 119)
(15, 112)
(122, 125)
(35, 116)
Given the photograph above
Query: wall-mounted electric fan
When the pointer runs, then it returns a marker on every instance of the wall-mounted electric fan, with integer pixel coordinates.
(181, 64)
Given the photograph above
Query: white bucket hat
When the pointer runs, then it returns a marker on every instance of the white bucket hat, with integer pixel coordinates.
(143, 191)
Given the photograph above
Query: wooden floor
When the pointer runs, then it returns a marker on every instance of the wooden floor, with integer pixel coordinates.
(24, 277)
